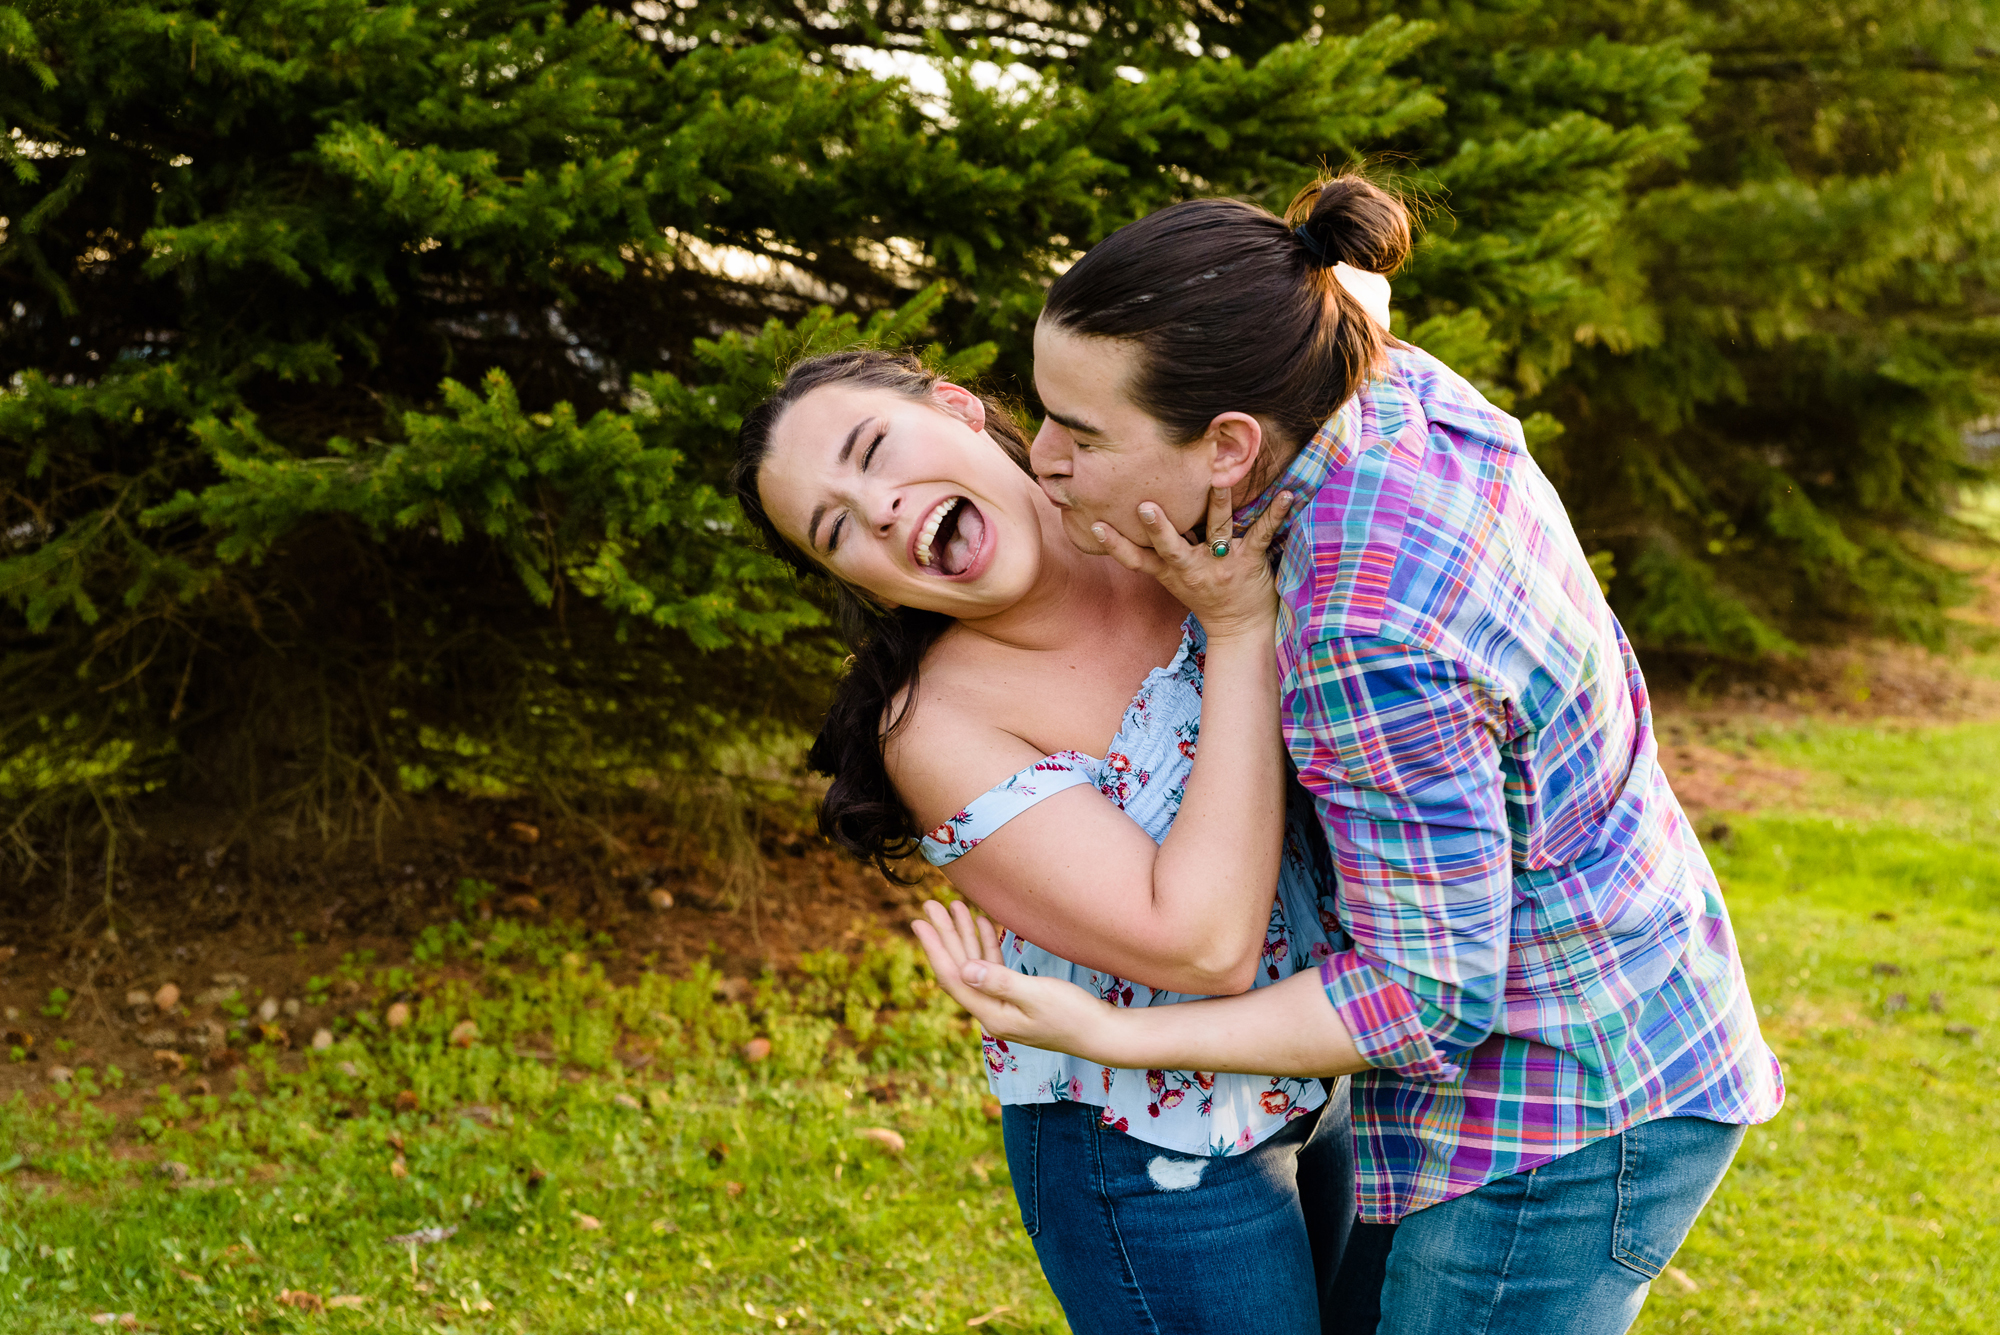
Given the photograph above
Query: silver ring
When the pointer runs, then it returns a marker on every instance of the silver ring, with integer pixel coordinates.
(1219, 548)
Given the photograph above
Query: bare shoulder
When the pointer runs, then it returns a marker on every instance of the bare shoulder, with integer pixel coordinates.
(951, 744)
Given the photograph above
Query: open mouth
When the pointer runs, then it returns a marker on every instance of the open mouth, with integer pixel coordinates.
(951, 536)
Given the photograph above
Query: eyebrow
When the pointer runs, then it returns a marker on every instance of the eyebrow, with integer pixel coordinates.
(846, 453)
(1074, 424)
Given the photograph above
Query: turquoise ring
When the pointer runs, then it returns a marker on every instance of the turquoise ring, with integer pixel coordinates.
(1220, 547)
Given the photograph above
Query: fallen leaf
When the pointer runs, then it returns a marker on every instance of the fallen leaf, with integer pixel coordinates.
(523, 833)
(661, 900)
(304, 1301)
(125, 1320)
(588, 1222)
(733, 1188)
(464, 1034)
(166, 997)
(190, 1276)
(883, 1136)
(757, 1049)
(406, 1101)
(1682, 1278)
(347, 1300)
(399, 1167)
(138, 997)
(627, 1101)
(423, 1236)
(398, 1015)
(322, 1039)
(983, 1318)
(60, 1075)
(173, 1170)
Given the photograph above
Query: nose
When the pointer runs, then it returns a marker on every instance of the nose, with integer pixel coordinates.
(884, 508)
(1049, 453)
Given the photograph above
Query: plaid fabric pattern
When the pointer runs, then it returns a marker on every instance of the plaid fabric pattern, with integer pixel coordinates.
(1541, 956)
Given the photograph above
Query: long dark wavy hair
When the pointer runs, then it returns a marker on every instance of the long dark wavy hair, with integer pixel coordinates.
(862, 812)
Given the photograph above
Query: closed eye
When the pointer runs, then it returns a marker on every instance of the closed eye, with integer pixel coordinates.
(833, 535)
(873, 446)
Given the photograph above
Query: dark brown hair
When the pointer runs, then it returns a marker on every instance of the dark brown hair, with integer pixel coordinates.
(861, 812)
(1235, 311)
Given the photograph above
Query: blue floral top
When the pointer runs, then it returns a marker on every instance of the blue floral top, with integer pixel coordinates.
(1145, 772)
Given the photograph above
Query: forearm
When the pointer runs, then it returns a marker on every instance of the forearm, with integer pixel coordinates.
(1216, 871)
(1288, 1028)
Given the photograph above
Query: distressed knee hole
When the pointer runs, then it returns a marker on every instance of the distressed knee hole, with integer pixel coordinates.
(1176, 1174)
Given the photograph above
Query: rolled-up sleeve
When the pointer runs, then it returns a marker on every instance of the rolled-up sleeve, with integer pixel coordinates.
(1402, 750)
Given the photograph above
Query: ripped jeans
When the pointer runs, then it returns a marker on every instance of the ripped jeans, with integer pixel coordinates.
(1136, 1240)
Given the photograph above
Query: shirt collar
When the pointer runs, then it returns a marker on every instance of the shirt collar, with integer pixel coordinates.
(1331, 449)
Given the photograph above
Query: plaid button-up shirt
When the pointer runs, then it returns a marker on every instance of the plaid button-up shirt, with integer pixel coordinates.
(1541, 956)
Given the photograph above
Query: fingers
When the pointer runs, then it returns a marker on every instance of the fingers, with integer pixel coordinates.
(1258, 540)
(939, 947)
(949, 939)
(989, 943)
(1160, 532)
(1126, 552)
(968, 935)
(1221, 515)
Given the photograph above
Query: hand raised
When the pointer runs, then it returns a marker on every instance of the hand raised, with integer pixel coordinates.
(1041, 1012)
(1230, 593)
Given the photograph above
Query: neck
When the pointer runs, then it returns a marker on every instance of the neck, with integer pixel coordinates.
(1073, 595)
(1272, 461)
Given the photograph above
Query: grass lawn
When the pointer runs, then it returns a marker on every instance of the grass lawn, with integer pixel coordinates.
(611, 1159)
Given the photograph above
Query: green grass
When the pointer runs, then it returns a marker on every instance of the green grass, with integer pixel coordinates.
(1867, 1206)
(705, 1192)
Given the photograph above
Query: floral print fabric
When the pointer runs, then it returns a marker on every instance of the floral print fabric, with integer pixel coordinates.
(1145, 772)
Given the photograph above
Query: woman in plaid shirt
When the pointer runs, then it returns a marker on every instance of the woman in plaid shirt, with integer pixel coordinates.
(1553, 1046)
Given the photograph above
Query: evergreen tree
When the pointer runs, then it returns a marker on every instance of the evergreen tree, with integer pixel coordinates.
(371, 370)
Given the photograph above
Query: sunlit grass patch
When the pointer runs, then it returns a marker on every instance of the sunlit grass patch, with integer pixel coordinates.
(1869, 1205)
(602, 1158)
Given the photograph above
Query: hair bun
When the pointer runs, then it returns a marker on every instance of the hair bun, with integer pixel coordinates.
(1352, 221)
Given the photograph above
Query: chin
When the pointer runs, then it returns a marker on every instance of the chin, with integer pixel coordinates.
(1076, 528)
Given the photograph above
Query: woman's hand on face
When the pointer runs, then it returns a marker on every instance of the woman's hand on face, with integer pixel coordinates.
(1041, 1012)
(1231, 594)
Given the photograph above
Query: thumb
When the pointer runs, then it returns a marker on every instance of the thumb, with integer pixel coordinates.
(991, 979)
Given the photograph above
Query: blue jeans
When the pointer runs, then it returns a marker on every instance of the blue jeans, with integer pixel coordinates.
(1569, 1248)
(1137, 1240)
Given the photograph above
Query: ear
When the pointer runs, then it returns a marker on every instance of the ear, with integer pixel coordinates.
(961, 403)
(1235, 441)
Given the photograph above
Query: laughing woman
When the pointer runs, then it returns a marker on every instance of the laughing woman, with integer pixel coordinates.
(1102, 771)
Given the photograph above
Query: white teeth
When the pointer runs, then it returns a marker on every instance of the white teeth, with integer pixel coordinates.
(945, 507)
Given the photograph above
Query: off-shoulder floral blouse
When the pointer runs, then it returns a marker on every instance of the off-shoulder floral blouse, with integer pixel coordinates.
(1145, 771)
